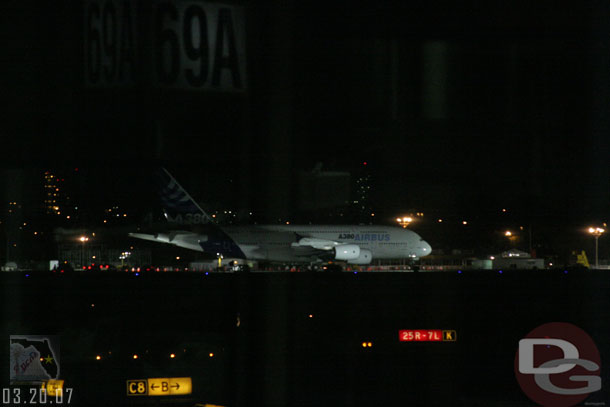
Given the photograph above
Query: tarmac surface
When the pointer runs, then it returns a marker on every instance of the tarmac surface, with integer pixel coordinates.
(300, 339)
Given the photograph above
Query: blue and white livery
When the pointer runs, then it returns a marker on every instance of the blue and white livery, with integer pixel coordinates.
(356, 244)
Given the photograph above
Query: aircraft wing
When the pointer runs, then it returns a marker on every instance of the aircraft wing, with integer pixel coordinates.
(327, 249)
(180, 238)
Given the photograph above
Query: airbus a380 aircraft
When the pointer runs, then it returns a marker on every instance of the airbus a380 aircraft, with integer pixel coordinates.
(279, 243)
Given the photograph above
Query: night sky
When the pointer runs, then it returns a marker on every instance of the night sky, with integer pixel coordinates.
(456, 108)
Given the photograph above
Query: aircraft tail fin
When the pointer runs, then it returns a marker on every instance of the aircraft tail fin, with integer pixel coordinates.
(178, 206)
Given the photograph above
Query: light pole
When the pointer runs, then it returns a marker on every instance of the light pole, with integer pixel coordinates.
(597, 232)
(83, 239)
(404, 222)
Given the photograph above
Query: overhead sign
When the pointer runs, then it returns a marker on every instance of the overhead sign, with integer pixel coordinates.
(199, 45)
(181, 44)
(167, 386)
(427, 335)
(109, 34)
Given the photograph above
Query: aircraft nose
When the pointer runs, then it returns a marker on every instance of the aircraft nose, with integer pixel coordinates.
(425, 248)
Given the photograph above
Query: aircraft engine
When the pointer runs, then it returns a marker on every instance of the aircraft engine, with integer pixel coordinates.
(365, 257)
(346, 252)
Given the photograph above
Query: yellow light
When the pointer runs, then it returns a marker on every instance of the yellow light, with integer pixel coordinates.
(169, 386)
(53, 388)
(211, 355)
(370, 344)
(310, 315)
(596, 231)
(364, 344)
(440, 221)
(135, 356)
(172, 355)
(398, 220)
(372, 214)
(177, 257)
(508, 233)
(98, 357)
(464, 223)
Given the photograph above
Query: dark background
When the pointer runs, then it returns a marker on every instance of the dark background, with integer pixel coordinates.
(455, 107)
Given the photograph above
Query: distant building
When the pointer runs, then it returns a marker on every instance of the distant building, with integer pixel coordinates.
(52, 195)
(361, 197)
(60, 194)
(511, 259)
(320, 190)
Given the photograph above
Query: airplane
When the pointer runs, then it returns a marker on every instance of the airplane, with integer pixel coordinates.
(354, 244)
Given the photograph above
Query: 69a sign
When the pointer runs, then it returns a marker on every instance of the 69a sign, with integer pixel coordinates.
(558, 365)
(199, 45)
(109, 39)
(185, 44)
